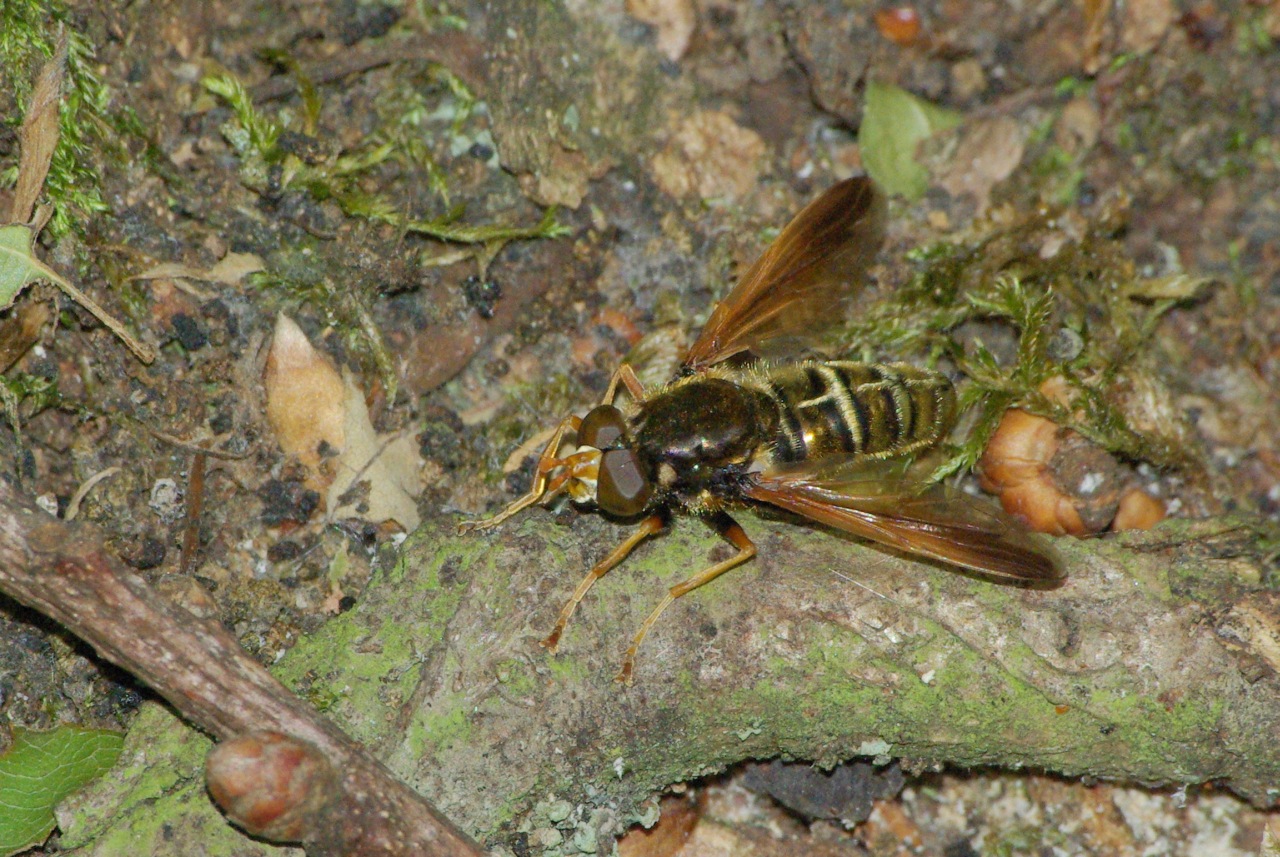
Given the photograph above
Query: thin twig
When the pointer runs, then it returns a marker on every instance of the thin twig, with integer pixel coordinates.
(195, 504)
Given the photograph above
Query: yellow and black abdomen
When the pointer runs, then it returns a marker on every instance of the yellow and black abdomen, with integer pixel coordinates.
(841, 407)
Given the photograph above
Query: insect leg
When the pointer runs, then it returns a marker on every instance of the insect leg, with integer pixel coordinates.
(547, 462)
(725, 526)
(649, 526)
(627, 376)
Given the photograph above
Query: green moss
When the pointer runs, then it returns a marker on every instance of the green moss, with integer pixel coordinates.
(926, 694)
(149, 803)
(254, 135)
(516, 678)
(28, 38)
(281, 151)
(567, 670)
(1060, 173)
(436, 733)
(257, 139)
(365, 667)
(1086, 296)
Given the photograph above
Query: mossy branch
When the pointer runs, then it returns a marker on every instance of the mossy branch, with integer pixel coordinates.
(1140, 668)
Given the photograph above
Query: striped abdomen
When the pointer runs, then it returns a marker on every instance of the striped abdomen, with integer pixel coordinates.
(871, 409)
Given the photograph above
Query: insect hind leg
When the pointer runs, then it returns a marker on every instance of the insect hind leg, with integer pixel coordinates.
(735, 535)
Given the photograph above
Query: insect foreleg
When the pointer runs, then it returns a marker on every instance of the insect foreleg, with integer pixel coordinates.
(547, 462)
(627, 376)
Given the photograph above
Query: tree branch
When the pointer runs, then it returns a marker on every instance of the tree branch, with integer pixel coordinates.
(1156, 662)
(62, 570)
(1151, 664)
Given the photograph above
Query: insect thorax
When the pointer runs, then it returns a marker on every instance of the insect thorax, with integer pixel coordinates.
(840, 407)
(698, 434)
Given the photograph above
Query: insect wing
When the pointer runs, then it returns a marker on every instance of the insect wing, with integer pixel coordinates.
(801, 282)
(935, 523)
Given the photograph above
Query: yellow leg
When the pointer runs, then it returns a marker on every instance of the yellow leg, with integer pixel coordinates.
(649, 526)
(547, 462)
(728, 528)
(627, 376)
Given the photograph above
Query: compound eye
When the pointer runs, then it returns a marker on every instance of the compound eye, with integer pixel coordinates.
(602, 428)
(622, 488)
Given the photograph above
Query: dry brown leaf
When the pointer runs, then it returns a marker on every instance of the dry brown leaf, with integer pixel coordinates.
(988, 153)
(21, 330)
(38, 138)
(320, 417)
(389, 464)
(305, 400)
(231, 269)
(39, 135)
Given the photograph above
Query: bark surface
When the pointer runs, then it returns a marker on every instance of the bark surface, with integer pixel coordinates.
(1155, 663)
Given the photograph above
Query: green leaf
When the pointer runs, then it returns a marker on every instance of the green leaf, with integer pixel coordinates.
(42, 768)
(893, 123)
(19, 267)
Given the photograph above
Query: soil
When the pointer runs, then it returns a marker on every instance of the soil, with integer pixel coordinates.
(670, 137)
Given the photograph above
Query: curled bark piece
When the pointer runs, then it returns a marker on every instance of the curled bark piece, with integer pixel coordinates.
(1138, 510)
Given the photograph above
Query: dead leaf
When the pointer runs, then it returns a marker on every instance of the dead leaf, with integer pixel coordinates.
(320, 417)
(21, 330)
(19, 268)
(388, 464)
(230, 269)
(305, 400)
(988, 153)
(39, 134)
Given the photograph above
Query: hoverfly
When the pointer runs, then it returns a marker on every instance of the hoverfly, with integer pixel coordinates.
(828, 440)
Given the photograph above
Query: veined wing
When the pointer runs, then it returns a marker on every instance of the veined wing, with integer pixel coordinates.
(801, 283)
(935, 523)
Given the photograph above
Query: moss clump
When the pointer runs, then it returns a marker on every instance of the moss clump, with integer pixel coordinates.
(28, 38)
(284, 151)
(275, 156)
(1009, 317)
